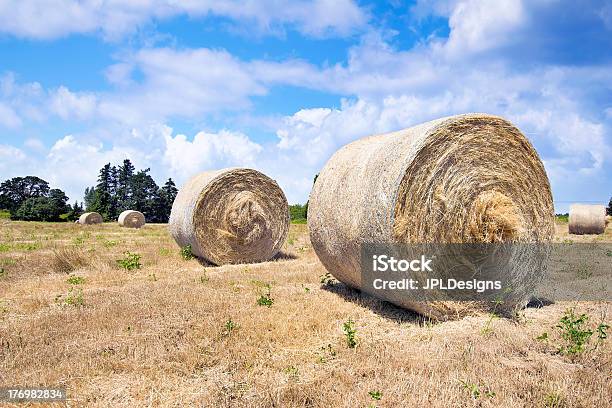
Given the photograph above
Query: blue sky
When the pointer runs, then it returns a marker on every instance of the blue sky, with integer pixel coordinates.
(183, 87)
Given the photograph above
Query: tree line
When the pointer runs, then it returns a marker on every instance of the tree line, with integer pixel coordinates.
(118, 188)
(123, 188)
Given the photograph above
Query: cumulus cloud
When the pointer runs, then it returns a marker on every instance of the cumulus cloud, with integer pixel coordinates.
(68, 104)
(208, 151)
(57, 18)
(12, 160)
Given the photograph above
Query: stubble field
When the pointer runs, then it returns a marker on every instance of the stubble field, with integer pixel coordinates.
(175, 332)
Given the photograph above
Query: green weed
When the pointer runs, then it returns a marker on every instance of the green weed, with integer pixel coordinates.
(326, 279)
(266, 299)
(130, 262)
(230, 326)
(375, 395)
(350, 332)
(553, 400)
(326, 353)
(74, 297)
(109, 243)
(576, 334)
(584, 272)
(475, 391)
(186, 253)
(75, 280)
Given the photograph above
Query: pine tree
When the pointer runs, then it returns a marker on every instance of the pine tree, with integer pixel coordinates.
(124, 185)
(145, 195)
(167, 196)
(103, 193)
(90, 195)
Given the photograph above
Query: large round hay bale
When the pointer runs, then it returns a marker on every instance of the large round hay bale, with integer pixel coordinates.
(231, 216)
(467, 178)
(90, 218)
(587, 219)
(131, 219)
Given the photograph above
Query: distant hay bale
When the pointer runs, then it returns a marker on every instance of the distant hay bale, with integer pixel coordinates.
(230, 216)
(90, 218)
(587, 219)
(131, 219)
(467, 178)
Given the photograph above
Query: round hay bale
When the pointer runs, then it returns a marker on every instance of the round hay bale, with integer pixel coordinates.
(468, 178)
(131, 219)
(230, 216)
(90, 218)
(587, 219)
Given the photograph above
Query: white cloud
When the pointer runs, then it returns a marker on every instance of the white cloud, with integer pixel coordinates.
(8, 117)
(114, 18)
(12, 160)
(68, 104)
(208, 151)
(478, 25)
(179, 83)
(34, 144)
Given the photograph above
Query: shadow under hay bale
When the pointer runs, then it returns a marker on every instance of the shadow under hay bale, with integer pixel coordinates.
(380, 307)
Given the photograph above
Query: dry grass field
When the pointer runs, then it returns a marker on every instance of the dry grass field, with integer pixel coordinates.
(176, 333)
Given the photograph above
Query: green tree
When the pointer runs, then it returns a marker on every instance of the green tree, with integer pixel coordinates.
(46, 208)
(90, 195)
(17, 190)
(104, 200)
(75, 211)
(125, 172)
(297, 212)
(145, 195)
(167, 196)
(609, 209)
(59, 200)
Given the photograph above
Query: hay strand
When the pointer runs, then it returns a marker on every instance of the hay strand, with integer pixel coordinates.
(131, 219)
(467, 178)
(231, 216)
(587, 219)
(90, 218)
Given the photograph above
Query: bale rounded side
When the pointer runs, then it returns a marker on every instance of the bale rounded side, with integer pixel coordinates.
(231, 216)
(466, 178)
(587, 219)
(90, 218)
(131, 219)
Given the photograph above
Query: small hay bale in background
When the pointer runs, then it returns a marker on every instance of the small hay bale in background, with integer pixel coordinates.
(467, 178)
(587, 219)
(230, 216)
(90, 218)
(131, 219)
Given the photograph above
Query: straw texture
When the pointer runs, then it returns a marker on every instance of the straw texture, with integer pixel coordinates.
(587, 219)
(467, 178)
(231, 216)
(131, 219)
(90, 218)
